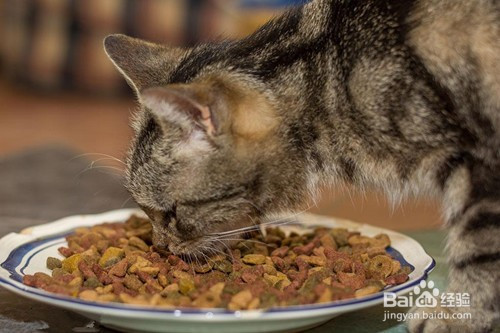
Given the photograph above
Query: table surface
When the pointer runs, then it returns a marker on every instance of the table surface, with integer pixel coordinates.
(35, 189)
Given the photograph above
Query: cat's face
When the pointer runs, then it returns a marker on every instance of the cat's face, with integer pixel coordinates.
(197, 160)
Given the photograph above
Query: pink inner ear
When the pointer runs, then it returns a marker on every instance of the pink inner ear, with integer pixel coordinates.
(167, 102)
(206, 119)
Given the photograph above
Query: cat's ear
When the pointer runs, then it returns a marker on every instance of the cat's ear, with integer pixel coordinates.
(181, 105)
(213, 107)
(143, 64)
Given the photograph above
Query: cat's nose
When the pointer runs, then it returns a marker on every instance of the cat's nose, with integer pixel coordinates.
(184, 229)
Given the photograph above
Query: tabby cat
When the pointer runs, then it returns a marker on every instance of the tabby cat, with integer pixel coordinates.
(403, 95)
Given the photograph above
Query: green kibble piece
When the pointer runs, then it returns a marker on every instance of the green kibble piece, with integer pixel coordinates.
(53, 263)
(131, 281)
(345, 249)
(340, 235)
(186, 286)
(224, 266)
(58, 272)
(92, 282)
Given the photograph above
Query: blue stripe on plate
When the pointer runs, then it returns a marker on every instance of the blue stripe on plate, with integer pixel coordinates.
(16, 256)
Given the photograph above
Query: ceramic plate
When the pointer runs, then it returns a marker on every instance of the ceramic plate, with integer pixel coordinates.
(26, 252)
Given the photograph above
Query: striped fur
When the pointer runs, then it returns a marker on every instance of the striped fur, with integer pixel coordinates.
(401, 95)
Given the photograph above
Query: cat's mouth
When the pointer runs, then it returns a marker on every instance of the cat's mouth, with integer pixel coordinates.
(200, 247)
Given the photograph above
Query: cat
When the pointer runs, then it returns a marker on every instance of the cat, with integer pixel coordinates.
(400, 95)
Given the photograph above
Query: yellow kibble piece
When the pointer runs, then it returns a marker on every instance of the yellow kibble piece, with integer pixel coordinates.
(326, 296)
(186, 286)
(153, 271)
(271, 279)
(138, 243)
(140, 262)
(254, 259)
(76, 282)
(240, 300)
(254, 304)
(70, 264)
(106, 298)
(171, 288)
(111, 256)
(88, 295)
(366, 291)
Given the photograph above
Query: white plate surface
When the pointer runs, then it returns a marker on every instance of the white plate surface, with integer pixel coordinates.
(26, 252)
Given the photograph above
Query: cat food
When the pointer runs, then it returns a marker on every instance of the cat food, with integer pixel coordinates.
(116, 262)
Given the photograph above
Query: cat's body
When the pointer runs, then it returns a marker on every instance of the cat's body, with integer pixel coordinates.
(400, 95)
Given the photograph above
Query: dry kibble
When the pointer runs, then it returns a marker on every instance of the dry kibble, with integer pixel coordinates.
(71, 264)
(224, 266)
(240, 300)
(111, 256)
(53, 263)
(269, 269)
(396, 266)
(106, 297)
(326, 296)
(254, 304)
(383, 240)
(119, 269)
(280, 252)
(153, 271)
(186, 286)
(162, 279)
(172, 287)
(88, 295)
(254, 259)
(138, 300)
(140, 262)
(328, 241)
(92, 282)
(366, 291)
(116, 262)
(132, 282)
(316, 261)
(76, 282)
(202, 268)
(381, 265)
(138, 243)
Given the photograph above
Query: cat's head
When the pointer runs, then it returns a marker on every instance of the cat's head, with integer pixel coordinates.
(204, 151)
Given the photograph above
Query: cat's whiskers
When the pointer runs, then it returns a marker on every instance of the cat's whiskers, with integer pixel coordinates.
(278, 222)
(227, 247)
(207, 259)
(215, 250)
(125, 202)
(242, 239)
(190, 259)
(99, 154)
(99, 167)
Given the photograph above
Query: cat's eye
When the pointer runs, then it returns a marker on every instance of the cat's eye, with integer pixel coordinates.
(163, 216)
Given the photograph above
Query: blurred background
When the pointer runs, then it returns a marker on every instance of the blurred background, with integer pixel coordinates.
(64, 109)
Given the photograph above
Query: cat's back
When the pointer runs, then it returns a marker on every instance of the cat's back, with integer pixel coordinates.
(459, 42)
